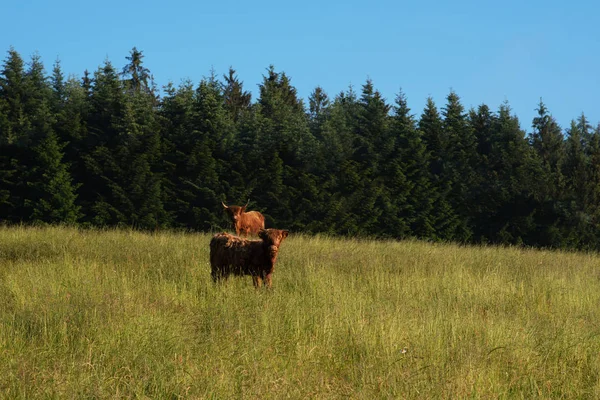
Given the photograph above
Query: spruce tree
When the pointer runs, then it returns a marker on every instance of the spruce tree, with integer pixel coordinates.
(444, 218)
(334, 154)
(461, 160)
(593, 192)
(176, 114)
(504, 209)
(137, 77)
(408, 178)
(50, 195)
(14, 124)
(576, 196)
(281, 124)
(548, 142)
(236, 100)
(104, 196)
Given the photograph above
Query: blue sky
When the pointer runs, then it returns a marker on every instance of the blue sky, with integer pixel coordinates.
(487, 52)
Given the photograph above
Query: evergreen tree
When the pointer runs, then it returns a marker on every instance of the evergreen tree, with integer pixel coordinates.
(237, 101)
(104, 198)
(373, 146)
(125, 154)
(504, 209)
(52, 193)
(548, 142)
(593, 189)
(576, 198)
(430, 125)
(318, 102)
(461, 161)
(212, 140)
(139, 156)
(334, 155)
(586, 130)
(176, 114)
(575, 169)
(408, 178)
(49, 194)
(444, 218)
(283, 131)
(137, 77)
(14, 124)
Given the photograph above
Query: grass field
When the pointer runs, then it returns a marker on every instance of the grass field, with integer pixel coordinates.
(120, 314)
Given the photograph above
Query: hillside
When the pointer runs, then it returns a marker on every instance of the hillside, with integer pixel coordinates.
(112, 313)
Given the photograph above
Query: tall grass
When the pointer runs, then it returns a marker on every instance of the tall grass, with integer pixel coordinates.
(120, 314)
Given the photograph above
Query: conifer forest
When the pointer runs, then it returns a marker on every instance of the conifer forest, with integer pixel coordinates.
(111, 149)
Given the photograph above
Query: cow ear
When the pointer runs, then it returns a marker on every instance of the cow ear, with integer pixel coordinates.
(284, 234)
(262, 234)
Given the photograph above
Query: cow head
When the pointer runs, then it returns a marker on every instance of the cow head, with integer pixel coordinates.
(272, 239)
(235, 212)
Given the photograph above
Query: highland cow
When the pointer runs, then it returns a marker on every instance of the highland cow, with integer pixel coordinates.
(234, 255)
(245, 223)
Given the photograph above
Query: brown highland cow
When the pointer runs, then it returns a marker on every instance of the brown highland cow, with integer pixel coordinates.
(245, 223)
(234, 255)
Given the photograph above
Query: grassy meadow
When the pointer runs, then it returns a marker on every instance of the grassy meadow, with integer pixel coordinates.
(122, 314)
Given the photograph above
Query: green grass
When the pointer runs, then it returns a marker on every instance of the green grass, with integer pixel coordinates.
(119, 314)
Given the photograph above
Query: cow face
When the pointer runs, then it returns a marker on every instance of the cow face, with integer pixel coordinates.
(234, 212)
(272, 239)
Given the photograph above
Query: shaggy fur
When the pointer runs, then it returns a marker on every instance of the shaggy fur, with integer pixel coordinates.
(245, 223)
(233, 255)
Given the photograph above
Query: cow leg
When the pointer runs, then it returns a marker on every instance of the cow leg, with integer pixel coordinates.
(257, 280)
(268, 280)
(218, 274)
(214, 274)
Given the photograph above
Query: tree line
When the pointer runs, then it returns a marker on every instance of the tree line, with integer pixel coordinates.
(110, 149)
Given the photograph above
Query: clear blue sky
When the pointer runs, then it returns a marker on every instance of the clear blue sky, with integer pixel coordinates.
(487, 52)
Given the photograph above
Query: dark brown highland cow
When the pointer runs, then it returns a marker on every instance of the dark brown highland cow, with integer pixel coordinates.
(233, 255)
(244, 222)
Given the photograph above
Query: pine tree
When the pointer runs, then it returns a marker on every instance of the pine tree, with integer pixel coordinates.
(575, 167)
(461, 161)
(281, 124)
(408, 178)
(50, 194)
(318, 102)
(334, 153)
(125, 154)
(13, 133)
(212, 139)
(139, 156)
(176, 113)
(444, 218)
(104, 198)
(576, 198)
(504, 212)
(482, 123)
(548, 142)
(430, 124)
(137, 77)
(53, 197)
(237, 101)
(593, 174)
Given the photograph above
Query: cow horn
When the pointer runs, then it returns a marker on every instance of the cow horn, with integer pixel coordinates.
(248, 202)
(224, 205)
